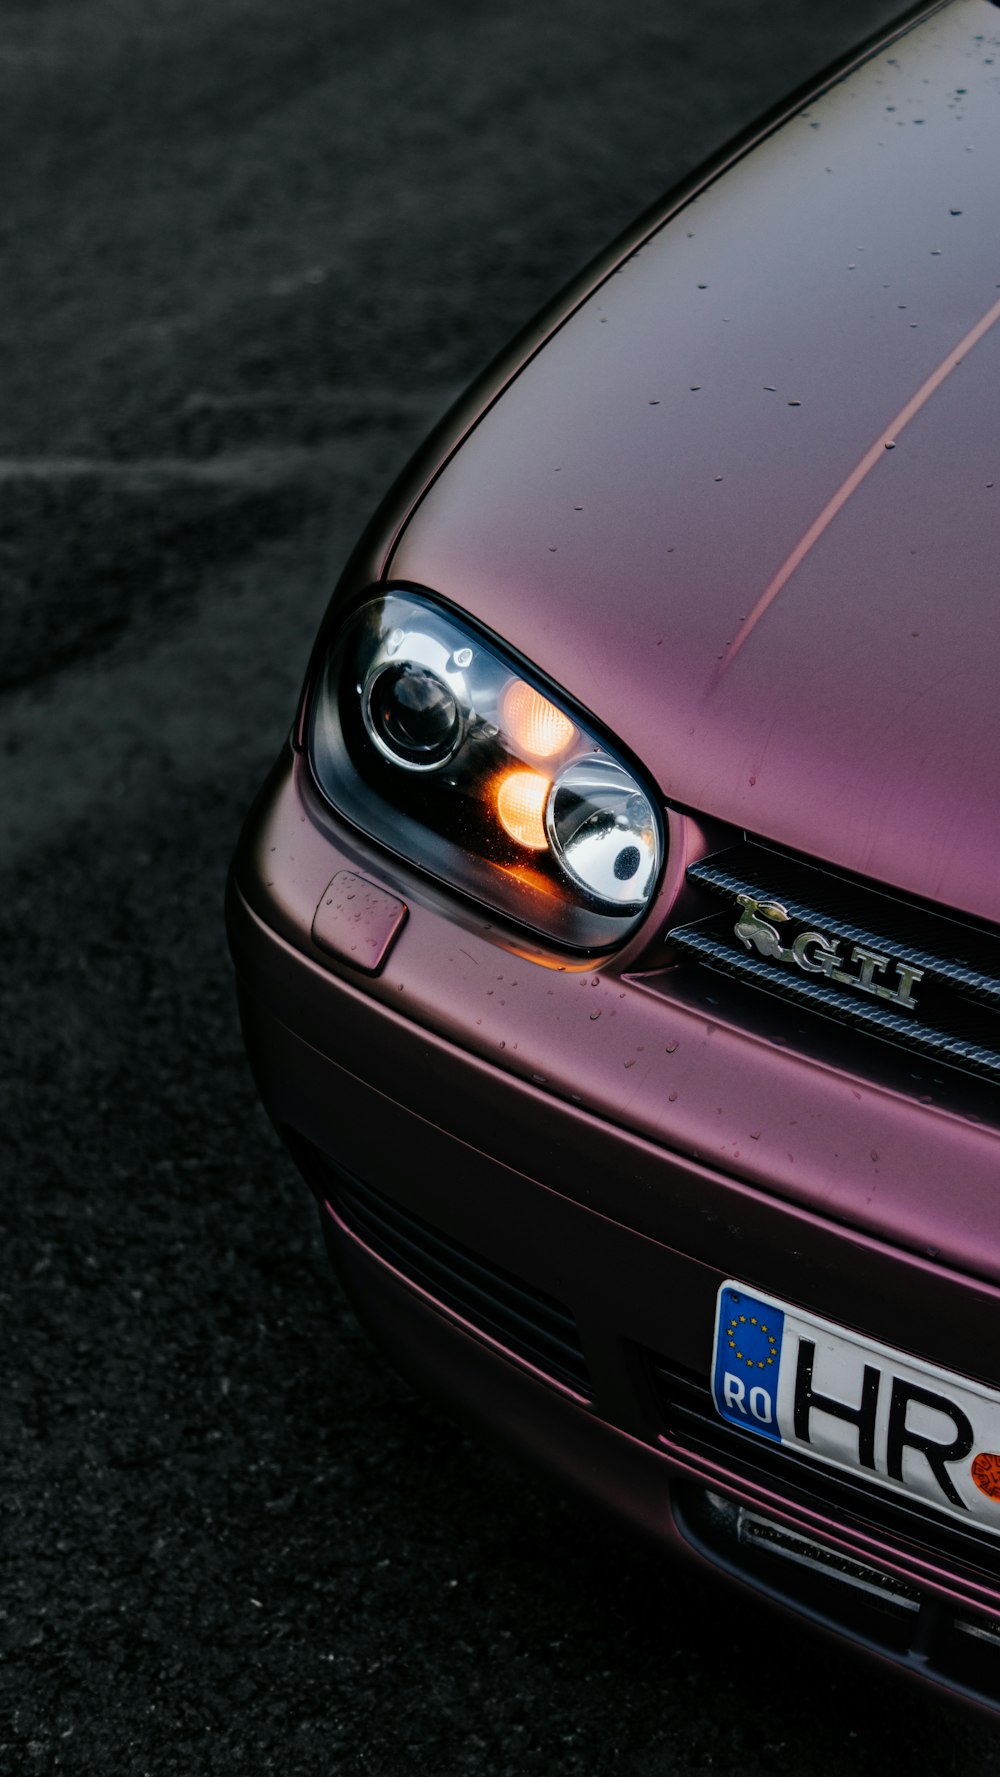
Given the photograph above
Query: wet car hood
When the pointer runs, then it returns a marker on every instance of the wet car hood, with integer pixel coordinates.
(745, 505)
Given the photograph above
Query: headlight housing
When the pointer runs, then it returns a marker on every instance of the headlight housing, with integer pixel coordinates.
(440, 746)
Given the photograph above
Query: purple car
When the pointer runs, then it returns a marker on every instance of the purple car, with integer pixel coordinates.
(618, 935)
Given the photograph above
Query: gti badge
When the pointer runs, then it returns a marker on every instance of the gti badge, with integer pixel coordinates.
(815, 954)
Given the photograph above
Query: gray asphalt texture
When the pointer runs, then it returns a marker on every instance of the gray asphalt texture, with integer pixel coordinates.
(250, 249)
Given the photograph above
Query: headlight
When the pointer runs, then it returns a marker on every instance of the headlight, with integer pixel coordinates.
(440, 747)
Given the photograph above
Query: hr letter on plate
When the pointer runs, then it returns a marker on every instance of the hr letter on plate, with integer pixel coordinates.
(903, 1424)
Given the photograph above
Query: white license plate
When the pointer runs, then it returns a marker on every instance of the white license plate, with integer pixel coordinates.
(903, 1424)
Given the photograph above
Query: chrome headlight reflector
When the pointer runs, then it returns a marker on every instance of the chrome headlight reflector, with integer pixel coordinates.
(439, 746)
(601, 828)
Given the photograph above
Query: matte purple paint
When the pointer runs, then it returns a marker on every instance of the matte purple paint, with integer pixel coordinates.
(618, 1133)
(357, 921)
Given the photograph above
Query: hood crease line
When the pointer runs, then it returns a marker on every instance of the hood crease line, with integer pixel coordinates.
(853, 481)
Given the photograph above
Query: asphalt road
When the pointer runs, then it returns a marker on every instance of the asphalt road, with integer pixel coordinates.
(250, 248)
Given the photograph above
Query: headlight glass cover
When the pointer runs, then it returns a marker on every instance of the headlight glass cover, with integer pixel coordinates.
(444, 749)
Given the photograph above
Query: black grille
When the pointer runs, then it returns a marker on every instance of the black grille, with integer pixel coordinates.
(524, 1320)
(921, 979)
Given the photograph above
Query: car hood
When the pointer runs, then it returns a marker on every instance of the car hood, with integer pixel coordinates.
(744, 506)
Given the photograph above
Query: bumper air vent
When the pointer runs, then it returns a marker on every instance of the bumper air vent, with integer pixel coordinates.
(526, 1322)
(917, 1630)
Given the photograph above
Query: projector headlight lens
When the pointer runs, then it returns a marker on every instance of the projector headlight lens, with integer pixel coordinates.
(439, 746)
(412, 716)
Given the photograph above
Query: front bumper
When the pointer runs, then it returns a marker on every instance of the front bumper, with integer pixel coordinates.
(538, 1240)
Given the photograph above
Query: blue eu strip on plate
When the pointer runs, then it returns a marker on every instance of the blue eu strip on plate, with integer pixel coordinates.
(748, 1361)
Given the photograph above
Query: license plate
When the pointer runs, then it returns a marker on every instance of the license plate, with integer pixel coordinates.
(848, 1401)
